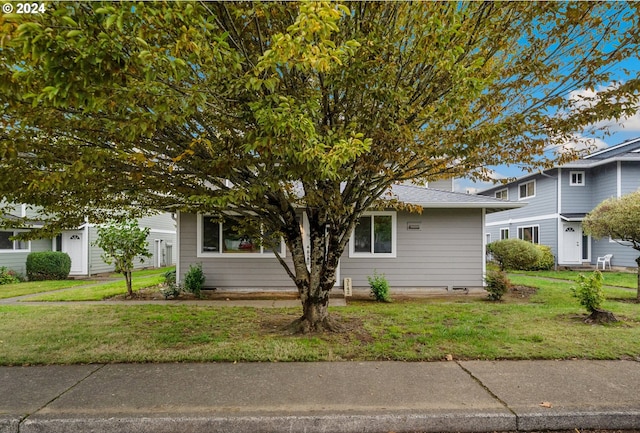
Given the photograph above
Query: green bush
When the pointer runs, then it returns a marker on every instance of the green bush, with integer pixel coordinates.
(48, 265)
(546, 261)
(515, 254)
(497, 284)
(171, 290)
(379, 287)
(194, 280)
(589, 291)
(7, 276)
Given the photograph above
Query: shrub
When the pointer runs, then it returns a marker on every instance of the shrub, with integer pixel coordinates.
(194, 279)
(379, 287)
(515, 254)
(589, 291)
(546, 261)
(497, 284)
(48, 265)
(7, 276)
(171, 290)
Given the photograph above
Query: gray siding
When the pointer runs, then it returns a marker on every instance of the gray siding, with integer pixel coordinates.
(18, 260)
(447, 251)
(630, 177)
(548, 231)
(229, 272)
(604, 184)
(576, 198)
(623, 256)
(442, 185)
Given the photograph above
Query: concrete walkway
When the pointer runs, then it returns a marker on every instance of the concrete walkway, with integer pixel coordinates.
(466, 396)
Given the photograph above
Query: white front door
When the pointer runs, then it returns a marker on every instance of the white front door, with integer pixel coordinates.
(73, 244)
(571, 243)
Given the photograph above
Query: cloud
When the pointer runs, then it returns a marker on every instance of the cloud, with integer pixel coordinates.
(584, 98)
(578, 142)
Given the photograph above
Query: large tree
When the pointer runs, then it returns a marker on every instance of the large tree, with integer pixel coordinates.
(619, 219)
(269, 109)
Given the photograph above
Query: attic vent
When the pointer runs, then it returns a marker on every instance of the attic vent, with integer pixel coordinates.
(414, 226)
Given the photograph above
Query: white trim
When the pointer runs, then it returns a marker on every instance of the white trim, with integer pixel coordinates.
(619, 179)
(14, 250)
(535, 189)
(394, 238)
(495, 194)
(577, 172)
(168, 232)
(177, 253)
(507, 230)
(484, 246)
(529, 226)
(608, 149)
(221, 254)
(524, 220)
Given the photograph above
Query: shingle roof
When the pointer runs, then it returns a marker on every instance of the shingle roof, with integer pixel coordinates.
(433, 198)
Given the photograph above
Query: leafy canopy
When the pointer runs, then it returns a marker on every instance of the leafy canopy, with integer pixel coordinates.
(618, 218)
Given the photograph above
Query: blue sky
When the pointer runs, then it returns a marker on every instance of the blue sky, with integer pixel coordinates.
(618, 132)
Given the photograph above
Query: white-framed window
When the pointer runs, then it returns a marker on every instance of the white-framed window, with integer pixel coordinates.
(576, 178)
(502, 194)
(374, 236)
(504, 234)
(529, 233)
(9, 246)
(217, 239)
(527, 189)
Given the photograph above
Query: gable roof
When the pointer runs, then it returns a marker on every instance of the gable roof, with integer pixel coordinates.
(433, 198)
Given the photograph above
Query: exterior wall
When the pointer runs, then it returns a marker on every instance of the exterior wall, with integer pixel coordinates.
(630, 177)
(623, 256)
(547, 230)
(17, 260)
(604, 183)
(229, 272)
(447, 251)
(442, 185)
(574, 198)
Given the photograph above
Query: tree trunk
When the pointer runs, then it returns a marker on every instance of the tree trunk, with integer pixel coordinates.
(127, 277)
(601, 316)
(315, 316)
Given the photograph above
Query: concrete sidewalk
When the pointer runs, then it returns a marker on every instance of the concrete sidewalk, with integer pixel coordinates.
(466, 396)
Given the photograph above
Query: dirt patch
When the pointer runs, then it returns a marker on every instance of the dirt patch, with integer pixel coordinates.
(522, 292)
(154, 294)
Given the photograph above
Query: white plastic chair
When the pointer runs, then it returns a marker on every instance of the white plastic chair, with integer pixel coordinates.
(605, 260)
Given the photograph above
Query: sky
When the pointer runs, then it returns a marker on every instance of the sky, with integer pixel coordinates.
(618, 132)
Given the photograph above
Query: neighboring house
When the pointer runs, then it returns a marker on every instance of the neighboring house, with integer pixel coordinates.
(444, 247)
(85, 257)
(558, 200)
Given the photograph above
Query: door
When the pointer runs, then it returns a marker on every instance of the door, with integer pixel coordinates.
(73, 244)
(571, 245)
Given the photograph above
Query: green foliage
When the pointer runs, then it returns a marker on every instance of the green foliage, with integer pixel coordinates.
(171, 289)
(515, 254)
(589, 291)
(618, 218)
(194, 280)
(379, 287)
(7, 276)
(48, 265)
(122, 243)
(546, 261)
(497, 284)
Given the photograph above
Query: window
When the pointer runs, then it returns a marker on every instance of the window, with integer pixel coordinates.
(576, 178)
(8, 245)
(503, 194)
(215, 238)
(504, 234)
(374, 236)
(529, 234)
(527, 189)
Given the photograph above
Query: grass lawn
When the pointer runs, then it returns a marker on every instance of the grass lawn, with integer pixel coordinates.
(546, 326)
(20, 289)
(141, 279)
(620, 279)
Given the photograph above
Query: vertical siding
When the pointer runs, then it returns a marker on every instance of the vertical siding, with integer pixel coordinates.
(446, 252)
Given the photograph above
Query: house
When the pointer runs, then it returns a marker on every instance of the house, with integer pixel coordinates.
(559, 199)
(444, 247)
(85, 257)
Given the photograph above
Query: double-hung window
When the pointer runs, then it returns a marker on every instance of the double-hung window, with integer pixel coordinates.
(504, 234)
(220, 238)
(502, 194)
(576, 178)
(374, 235)
(9, 245)
(527, 189)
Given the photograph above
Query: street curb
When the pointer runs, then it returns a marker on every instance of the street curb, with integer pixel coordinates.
(614, 420)
(383, 423)
(9, 424)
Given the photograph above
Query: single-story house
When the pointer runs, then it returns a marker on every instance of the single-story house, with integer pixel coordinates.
(443, 247)
(85, 257)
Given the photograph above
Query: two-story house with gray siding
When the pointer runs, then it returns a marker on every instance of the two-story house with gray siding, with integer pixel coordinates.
(558, 200)
(441, 248)
(85, 257)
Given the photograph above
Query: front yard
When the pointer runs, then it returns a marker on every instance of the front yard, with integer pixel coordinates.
(545, 325)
